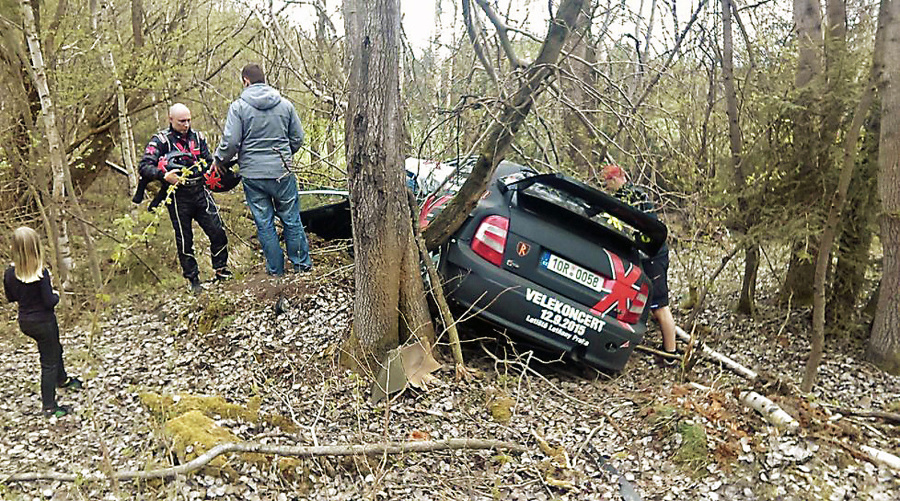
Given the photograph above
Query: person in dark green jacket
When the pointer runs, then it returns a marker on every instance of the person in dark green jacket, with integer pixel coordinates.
(657, 266)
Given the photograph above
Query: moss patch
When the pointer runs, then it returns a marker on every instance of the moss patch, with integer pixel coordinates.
(168, 406)
(501, 409)
(218, 312)
(692, 452)
(193, 433)
(190, 428)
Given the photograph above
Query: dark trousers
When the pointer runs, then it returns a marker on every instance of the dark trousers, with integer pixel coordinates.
(53, 373)
(194, 203)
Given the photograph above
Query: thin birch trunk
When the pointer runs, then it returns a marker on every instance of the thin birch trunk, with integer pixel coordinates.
(126, 135)
(57, 153)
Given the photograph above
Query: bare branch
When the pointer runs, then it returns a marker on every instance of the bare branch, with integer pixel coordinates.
(652, 84)
(471, 22)
(294, 451)
(502, 29)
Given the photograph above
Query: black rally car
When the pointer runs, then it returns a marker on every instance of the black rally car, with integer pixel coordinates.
(552, 261)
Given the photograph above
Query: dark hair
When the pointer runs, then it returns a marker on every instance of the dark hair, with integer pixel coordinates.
(253, 73)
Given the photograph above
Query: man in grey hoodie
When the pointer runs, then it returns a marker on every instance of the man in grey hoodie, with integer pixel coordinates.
(264, 131)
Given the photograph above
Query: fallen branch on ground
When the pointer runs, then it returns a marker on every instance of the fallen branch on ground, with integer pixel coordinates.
(278, 450)
(865, 453)
(718, 357)
(770, 410)
(879, 456)
(660, 353)
(886, 416)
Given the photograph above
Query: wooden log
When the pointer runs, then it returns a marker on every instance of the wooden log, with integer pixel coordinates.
(882, 457)
(718, 357)
(294, 451)
(770, 410)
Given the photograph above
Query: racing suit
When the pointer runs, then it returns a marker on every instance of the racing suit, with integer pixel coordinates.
(191, 201)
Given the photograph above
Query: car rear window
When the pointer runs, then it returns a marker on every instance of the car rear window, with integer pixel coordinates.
(581, 206)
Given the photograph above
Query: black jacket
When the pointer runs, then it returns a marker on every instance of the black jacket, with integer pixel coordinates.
(636, 197)
(154, 163)
(36, 299)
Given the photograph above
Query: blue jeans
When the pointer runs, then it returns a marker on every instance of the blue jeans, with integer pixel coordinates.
(268, 198)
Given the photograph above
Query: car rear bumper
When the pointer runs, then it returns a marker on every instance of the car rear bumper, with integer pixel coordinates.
(535, 313)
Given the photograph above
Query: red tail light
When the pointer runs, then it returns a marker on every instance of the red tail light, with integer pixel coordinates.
(490, 239)
(636, 306)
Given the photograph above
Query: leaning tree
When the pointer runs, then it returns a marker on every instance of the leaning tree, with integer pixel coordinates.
(389, 302)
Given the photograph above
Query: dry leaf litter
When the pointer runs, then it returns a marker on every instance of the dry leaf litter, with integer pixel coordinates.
(643, 434)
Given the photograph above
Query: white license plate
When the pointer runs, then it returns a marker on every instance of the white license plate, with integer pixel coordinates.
(572, 271)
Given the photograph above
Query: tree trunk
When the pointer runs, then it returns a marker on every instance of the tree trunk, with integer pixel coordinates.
(856, 232)
(57, 153)
(107, 59)
(744, 217)
(828, 236)
(731, 104)
(137, 16)
(808, 27)
(579, 145)
(831, 225)
(745, 303)
(126, 134)
(884, 343)
(390, 296)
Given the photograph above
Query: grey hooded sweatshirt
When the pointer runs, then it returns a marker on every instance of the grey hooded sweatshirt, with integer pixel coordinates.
(264, 130)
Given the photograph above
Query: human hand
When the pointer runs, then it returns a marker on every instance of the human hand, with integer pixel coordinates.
(172, 177)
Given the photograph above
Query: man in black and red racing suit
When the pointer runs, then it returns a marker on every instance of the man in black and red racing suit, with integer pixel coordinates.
(179, 155)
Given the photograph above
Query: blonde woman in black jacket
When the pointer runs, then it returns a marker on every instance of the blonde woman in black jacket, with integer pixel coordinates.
(27, 282)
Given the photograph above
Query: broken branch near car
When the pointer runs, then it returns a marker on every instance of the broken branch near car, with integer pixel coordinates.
(503, 130)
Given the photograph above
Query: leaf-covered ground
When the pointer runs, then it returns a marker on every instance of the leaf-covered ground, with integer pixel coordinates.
(644, 434)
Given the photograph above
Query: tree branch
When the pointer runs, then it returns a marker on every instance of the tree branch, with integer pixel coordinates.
(294, 451)
(652, 84)
(502, 30)
(471, 21)
(500, 135)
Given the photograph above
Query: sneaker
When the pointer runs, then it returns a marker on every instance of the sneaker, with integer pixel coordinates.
(301, 269)
(224, 274)
(670, 362)
(56, 412)
(196, 288)
(71, 383)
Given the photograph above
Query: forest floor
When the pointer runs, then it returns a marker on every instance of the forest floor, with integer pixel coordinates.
(646, 433)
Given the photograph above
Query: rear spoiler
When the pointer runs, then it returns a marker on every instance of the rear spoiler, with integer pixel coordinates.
(650, 232)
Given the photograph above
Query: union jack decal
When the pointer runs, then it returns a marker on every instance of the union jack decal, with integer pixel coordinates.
(622, 291)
